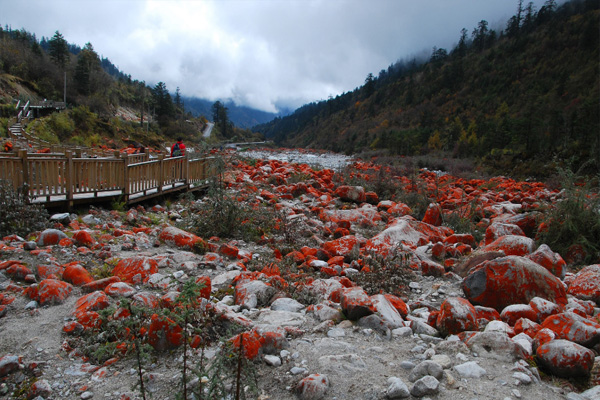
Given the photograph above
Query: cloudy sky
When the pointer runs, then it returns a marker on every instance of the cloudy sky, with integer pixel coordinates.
(260, 53)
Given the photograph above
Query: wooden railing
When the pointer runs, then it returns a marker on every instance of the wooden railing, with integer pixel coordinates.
(64, 178)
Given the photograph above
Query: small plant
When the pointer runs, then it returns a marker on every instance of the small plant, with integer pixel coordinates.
(118, 204)
(386, 274)
(572, 225)
(17, 215)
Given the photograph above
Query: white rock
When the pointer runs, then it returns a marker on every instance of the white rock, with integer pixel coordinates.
(286, 304)
(470, 369)
(397, 389)
(272, 361)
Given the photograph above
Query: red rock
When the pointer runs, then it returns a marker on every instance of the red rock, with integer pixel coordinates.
(465, 238)
(371, 198)
(99, 284)
(50, 291)
(135, 270)
(586, 285)
(398, 304)
(50, 237)
(584, 308)
(573, 327)
(94, 301)
(5, 264)
(527, 326)
(164, 333)
(44, 271)
(181, 238)
(73, 328)
(343, 246)
(438, 251)
(430, 268)
(355, 303)
(550, 260)
(65, 242)
(543, 335)
(499, 229)
(83, 238)
(229, 250)
(510, 314)
(565, 359)
(544, 308)
(510, 280)
(512, 245)
(249, 342)
(77, 275)
(433, 215)
(313, 387)
(8, 365)
(119, 289)
(297, 256)
(456, 315)
(205, 282)
(146, 299)
(18, 271)
(351, 193)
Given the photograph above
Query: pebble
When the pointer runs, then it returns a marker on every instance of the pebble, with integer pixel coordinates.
(87, 395)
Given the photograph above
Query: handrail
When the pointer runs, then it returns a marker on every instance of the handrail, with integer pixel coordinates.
(62, 177)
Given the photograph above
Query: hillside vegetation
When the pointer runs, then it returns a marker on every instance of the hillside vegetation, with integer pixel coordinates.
(515, 100)
(104, 104)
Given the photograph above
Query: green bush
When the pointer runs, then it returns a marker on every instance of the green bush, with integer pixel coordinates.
(573, 223)
(16, 215)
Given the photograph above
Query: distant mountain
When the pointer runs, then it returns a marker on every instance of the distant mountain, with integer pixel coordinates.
(241, 116)
(520, 99)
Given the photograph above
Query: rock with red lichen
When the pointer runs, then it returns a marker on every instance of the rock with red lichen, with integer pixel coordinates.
(511, 280)
(573, 327)
(120, 289)
(313, 387)
(49, 291)
(512, 245)
(550, 260)
(565, 359)
(135, 270)
(50, 237)
(181, 238)
(586, 285)
(342, 246)
(498, 229)
(83, 238)
(510, 314)
(356, 303)
(164, 333)
(351, 193)
(100, 284)
(433, 215)
(77, 275)
(456, 315)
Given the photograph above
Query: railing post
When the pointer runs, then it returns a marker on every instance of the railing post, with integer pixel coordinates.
(69, 183)
(186, 170)
(161, 172)
(126, 189)
(25, 168)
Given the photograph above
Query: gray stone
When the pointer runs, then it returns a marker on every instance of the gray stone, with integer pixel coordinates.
(313, 387)
(425, 368)
(63, 218)
(336, 332)
(592, 394)
(324, 312)
(420, 326)
(397, 389)
(32, 305)
(496, 345)
(31, 245)
(374, 322)
(470, 369)
(345, 363)
(286, 304)
(387, 311)
(281, 318)
(522, 378)
(425, 386)
(407, 364)
(252, 294)
(273, 361)
(297, 370)
(402, 332)
(443, 360)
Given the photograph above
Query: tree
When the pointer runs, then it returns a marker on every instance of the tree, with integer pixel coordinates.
(480, 35)
(179, 107)
(369, 85)
(58, 49)
(88, 63)
(163, 103)
(221, 119)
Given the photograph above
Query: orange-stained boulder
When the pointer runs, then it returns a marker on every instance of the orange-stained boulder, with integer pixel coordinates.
(356, 303)
(456, 315)
(50, 237)
(351, 193)
(120, 289)
(499, 229)
(586, 285)
(510, 280)
(94, 301)
(342, 246)
(77, 275)
(433, 215)
(512, 245)
(164, 333)
(565, 359)
(573, 327)
(135, 270)
(550, 260)
(100, 284)
(83, 238)
(181, 238)
(49, 291)
(512, 313)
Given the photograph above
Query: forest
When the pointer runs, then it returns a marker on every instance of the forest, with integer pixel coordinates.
(519, 101)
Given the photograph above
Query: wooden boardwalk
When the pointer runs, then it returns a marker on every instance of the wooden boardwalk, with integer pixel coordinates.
(60, 180)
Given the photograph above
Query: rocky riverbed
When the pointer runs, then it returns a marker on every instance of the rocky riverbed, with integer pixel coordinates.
(341, 293)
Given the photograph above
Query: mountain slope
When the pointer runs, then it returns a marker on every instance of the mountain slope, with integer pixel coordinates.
(528, 93)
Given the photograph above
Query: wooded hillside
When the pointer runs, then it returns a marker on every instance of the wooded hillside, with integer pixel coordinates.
(515, 99)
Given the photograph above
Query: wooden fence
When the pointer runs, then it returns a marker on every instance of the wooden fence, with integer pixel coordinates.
(62, 179)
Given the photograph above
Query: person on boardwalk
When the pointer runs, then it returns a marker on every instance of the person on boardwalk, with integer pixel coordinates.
(178, 149)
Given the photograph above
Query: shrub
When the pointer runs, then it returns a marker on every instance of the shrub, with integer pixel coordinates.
(17, 216)
(573, 224)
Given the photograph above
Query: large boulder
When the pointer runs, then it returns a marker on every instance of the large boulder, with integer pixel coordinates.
(356, 303)
(565, 359)
(586, 285)
(456, 315)
(511, 280)
(180, 238)
(573, 327)
(135, 270)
